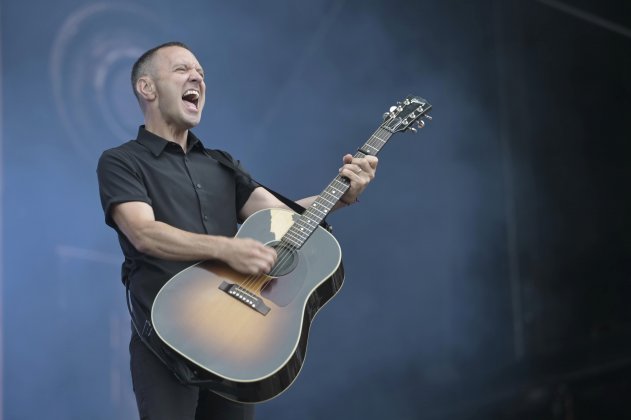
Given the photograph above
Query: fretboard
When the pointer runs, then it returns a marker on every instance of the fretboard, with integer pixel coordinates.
(302, 229)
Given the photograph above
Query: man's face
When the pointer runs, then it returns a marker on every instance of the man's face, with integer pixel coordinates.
(180, 87)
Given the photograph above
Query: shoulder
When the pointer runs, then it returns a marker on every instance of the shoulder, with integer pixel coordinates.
(130, 151)
(123, 150)
(125, 154)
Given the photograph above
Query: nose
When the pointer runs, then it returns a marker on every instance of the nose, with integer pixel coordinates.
(195, 76)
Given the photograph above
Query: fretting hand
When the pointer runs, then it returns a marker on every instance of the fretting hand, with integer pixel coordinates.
(359, 171)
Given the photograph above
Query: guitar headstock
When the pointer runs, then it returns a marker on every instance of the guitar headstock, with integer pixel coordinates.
(401, 116)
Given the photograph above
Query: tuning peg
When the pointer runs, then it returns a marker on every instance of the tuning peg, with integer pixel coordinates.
(429, 117)
(393, 108)
(420, 123)
(412, 129)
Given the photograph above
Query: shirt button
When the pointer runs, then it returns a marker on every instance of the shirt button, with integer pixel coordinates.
(199, 185)
(205, 217)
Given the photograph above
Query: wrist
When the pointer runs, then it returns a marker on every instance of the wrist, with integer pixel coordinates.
(220, 246)
(348, 203)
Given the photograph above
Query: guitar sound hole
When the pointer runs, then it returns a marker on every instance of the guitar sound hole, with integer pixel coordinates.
(287, 259)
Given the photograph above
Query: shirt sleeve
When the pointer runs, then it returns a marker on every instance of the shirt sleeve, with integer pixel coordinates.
(119, 182)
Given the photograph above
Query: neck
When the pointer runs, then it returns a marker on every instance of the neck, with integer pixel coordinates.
(168, 132)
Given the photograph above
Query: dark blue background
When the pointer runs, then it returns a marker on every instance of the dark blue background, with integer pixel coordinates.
(473, 251)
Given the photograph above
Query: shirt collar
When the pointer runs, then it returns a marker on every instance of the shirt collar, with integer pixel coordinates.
(156, 144)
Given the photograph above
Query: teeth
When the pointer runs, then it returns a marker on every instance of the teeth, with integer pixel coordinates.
(192, 92)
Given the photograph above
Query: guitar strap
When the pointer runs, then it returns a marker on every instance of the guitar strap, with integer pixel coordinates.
(225, 159)
(184, 371)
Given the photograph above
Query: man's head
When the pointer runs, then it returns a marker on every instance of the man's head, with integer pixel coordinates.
(169, 84)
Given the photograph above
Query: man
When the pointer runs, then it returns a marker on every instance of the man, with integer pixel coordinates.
(172, 204)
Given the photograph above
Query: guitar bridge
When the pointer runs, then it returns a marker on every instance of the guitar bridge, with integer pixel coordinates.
(245, 296)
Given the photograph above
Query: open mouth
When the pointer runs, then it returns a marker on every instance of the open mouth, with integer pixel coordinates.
(191, 98)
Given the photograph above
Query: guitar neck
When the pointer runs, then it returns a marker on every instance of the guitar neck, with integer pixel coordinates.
(324, 203)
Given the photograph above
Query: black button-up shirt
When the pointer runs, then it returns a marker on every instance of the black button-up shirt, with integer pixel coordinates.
(191, 191)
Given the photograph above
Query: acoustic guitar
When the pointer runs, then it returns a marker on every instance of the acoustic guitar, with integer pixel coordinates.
(248, 333)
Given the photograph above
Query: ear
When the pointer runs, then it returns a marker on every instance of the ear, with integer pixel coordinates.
(145, 88)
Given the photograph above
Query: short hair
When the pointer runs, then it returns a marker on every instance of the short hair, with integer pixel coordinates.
(140, 66)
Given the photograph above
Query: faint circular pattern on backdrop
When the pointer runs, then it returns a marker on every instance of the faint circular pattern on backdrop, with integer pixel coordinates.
(90, 69)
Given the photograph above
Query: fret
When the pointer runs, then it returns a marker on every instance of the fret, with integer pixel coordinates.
(335, 192)
(377, 143)
(292, 242)
(285, 244)
(383, 140)
(296, 233)
(319, 211)
(301, 224)
(300, 230)
(315, 208)
(292, 236)
(307, 223)
(340, 184)
(302, 235)
(315, 218)
(328, 201)
(302, 239)
(329, 194)
(368, 146)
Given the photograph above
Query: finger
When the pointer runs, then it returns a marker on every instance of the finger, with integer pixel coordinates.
(367, 164)
(265, 268)
(272, 258)
(262, 265)
(373, 161)
(266, 254)
(362, 175)
(353, 167)
(269, 256)
(350, 172)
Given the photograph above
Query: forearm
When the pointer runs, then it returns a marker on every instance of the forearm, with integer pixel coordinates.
(157, 239)
(163, 241)
(308, 201)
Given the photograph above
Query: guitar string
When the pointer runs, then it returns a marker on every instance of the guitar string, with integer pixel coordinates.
(254, 281)
(286, 247)
(284, 256)
(285, 252)
(257, 283)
